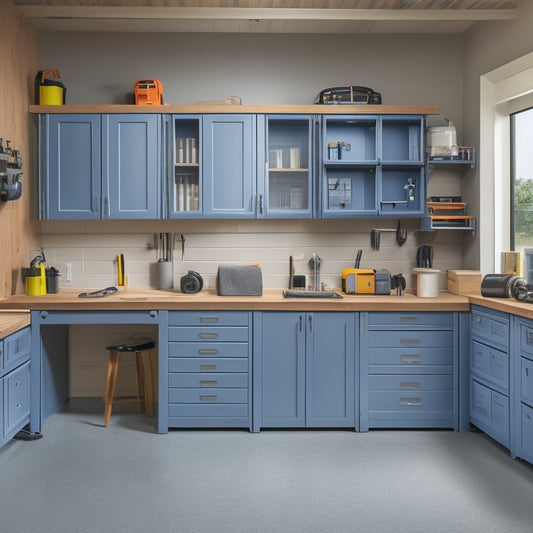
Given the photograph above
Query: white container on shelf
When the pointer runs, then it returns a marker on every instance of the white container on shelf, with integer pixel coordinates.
(427, 282)
(442, 141)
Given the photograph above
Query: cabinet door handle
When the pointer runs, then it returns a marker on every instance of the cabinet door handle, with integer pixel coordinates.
(209, 319)
(208, 397)
(107, 208)
(260, 204)
(210, 383)
(410, 384)
(527, 372)
(410, 401)
(96, 207)
(408, 340)
(208, 367)
(205, 351)
(410, 358)
(208, 335)
(310, 322)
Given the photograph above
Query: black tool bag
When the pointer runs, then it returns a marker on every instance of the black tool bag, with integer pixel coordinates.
(352, 94)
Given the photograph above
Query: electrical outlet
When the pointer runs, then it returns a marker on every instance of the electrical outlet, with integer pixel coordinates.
(68, 273)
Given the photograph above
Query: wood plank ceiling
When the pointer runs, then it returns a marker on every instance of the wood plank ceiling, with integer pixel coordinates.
(266, 16)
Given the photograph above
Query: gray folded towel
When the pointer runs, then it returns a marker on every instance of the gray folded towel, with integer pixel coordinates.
(234, 280)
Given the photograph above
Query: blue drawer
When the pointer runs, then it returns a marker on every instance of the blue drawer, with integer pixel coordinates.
(208, 380)
(526, 339)
(208, 364)
(527, 380)
(208, 334)
(410, 357)
(202, 318)
(410, 339)
(489, 410)
(413, 382)
(216, 410)
(490, 364)
(410, 319)
(17, 348)
(491, 329)
(410, 401)
(208, 396)
(527, 430)
(208, 349)
(17, 399)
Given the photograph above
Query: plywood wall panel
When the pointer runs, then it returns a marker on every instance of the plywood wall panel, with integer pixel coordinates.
(20, 61)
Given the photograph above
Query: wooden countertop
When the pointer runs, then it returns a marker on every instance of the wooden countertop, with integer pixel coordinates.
(272, 299)
(506, 305)
(14, 311)
(12, 320)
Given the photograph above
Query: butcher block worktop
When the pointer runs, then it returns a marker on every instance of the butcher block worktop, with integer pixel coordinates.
(12, 320)
(272, 299)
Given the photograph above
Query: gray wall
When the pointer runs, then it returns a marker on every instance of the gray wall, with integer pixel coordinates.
(101, 68)
(486, 47)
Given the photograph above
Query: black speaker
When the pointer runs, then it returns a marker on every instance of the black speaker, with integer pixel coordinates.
(191, 283)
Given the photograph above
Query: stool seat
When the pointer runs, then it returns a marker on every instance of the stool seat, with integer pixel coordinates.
(143, 377)
(129, 348)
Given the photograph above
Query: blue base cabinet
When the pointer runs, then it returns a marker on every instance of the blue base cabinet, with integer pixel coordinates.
(489, 373)
(209, 379)
(14, 383)
(522, 408)
(304, 369)
(409, 370)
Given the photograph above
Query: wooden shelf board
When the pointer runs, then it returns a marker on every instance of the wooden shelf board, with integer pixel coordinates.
(266, 109)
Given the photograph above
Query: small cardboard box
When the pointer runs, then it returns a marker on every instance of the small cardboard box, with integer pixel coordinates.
(464, 281)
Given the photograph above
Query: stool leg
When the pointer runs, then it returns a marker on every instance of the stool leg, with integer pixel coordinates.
(139, 377)
(110, 384)
(148, 383)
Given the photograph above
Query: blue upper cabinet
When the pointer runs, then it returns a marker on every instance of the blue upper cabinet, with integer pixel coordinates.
(228, 166)
(70, 167)
(131, 166)
(372, 166)
(100, 166)
(286, 166)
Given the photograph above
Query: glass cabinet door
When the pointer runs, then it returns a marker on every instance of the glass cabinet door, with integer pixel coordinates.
(184, 191)
(288, 189)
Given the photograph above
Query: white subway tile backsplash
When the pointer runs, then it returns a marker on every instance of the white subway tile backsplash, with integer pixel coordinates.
(92, 251)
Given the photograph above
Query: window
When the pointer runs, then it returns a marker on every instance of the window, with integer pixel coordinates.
(522, 186)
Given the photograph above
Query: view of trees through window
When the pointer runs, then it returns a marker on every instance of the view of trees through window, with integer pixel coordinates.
(522, 194)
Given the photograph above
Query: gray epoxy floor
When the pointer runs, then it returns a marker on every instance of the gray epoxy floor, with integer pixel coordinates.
(81, 477)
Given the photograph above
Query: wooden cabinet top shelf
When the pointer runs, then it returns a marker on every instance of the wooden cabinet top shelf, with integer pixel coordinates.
(235, 109)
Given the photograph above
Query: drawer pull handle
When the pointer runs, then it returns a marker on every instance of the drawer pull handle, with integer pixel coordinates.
(208, 367)
(411, 357)
(408, 340)
(208, 335)
(410, 384)
(209, 319)
(207, 351)
(211, 383)
(208, 397)
(18, 405)
(410, 401)
(17, 384)
(409, 318)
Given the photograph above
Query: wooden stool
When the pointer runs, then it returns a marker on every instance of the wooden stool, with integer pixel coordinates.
(143, 376)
